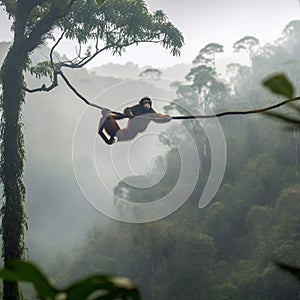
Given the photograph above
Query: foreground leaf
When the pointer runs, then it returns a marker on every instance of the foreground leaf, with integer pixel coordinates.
(100, 2)
(103, 287)
(23, 271)
(279, 84)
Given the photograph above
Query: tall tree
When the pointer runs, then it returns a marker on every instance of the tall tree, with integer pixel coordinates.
(238, 77)
(203, 76)
(247, 43)
(207, 55)
(292, 28)
(112, 26)
(250, 45)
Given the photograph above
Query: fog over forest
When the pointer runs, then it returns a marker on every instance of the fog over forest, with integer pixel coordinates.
(226, 247)
(59, 215)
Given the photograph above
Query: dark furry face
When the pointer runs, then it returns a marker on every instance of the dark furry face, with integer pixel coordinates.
(146, 104)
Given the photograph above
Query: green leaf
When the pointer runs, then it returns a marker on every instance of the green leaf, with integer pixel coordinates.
(96, 287)
(102, 287)
(279, 84)
(42, 69)
(100, 2)
(23, 271)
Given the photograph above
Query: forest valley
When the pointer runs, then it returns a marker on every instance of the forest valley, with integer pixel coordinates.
(227, 249)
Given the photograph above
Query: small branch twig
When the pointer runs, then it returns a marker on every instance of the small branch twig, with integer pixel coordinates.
(84, 60)
(43, 88)
(52, 49)
(87, 59)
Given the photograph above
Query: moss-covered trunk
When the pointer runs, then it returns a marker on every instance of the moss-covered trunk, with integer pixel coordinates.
(26, 39)
(12, 160)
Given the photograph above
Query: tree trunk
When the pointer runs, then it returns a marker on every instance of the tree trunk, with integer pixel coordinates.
(12, 141)
(11, 172)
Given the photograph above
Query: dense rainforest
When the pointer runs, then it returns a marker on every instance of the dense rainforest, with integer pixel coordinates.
(227, 249)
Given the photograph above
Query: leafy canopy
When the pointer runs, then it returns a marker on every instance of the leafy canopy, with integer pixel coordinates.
(247, 43)
(120, 23)
(114, 25)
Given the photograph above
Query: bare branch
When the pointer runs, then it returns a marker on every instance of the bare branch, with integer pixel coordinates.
(79, 51)
(82, 97)
(43, 88)
(245, 112)
(84, 60)
(52, 49)
(73, 89)
(97, 41)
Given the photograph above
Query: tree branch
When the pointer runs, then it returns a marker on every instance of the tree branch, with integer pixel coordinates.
(266, 110)
(52, 49)
(84, 60)
(83, 98)
(245, 112)
(73, 89)
(79, 95)
(43, 88)
(87, 59)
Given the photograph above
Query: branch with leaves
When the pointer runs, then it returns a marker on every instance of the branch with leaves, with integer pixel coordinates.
(115, 25)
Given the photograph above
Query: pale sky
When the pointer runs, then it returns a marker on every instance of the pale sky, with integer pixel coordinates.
(201, 22)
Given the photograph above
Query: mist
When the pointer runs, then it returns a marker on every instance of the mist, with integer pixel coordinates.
(64, 152)
(76, 184)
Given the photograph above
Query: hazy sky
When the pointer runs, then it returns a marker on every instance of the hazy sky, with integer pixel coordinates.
(202, 22)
